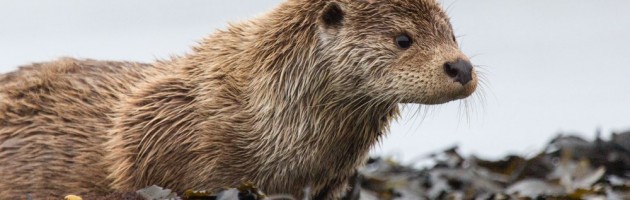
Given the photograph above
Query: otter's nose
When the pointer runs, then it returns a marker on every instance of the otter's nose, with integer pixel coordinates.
(460, 71)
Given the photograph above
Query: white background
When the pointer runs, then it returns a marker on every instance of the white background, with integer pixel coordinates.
(551, 66)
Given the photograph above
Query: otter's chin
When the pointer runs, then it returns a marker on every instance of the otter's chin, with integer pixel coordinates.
(430, 100)
(436, 101)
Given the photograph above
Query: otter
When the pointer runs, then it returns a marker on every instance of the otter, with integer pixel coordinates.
(292, 99)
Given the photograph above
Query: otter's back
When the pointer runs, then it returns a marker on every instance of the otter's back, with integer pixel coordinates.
(53, 122)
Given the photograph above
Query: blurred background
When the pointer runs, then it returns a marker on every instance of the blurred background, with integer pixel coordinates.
(550, 66)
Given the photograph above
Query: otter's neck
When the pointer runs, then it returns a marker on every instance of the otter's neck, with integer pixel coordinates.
(300, 110)
(296, 109)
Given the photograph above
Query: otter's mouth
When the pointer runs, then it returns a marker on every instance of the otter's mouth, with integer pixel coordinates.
(452, 91)
(464, 91)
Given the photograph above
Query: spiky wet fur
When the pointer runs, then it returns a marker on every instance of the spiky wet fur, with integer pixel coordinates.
(283, 101)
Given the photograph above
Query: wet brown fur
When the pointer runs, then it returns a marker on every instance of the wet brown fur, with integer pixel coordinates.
(288, 101)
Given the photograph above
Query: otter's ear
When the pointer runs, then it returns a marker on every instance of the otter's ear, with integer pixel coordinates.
(332, 16)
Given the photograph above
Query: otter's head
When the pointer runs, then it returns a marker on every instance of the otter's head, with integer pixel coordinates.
(399, 50)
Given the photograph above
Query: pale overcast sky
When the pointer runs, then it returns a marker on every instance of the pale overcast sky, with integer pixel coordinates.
(551, 66)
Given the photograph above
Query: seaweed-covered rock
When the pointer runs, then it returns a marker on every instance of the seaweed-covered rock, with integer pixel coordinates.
(569, 167)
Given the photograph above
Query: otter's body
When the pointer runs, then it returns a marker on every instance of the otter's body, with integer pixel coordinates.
(54, 119)
(291, 100)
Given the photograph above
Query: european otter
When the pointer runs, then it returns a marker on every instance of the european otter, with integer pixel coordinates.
(292, 99)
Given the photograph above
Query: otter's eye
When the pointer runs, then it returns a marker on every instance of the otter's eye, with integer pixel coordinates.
(404, 41)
